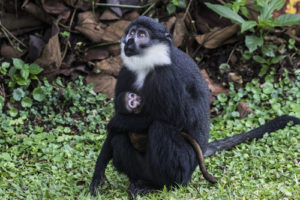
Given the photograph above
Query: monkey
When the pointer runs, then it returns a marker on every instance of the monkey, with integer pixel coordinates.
(132, 104)
(175, 99)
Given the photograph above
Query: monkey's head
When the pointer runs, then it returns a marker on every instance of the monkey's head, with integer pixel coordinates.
(145, 44)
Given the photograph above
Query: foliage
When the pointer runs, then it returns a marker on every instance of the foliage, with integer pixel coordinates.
(19, 77)
(265, 18)
(49, 150)
(171, 7)
(267, 55)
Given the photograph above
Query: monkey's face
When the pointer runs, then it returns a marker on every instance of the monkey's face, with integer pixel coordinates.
(136, 40)
(145, 45)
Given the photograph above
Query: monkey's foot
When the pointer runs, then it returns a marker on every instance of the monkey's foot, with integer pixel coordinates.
(139, 188)
(96, 182)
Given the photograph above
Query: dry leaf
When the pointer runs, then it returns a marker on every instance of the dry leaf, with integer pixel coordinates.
(214, 88)
(109, 15)
(244, 109)
(217, 38)
(80, 4)
(9, 52)
(37, 12)
(96, 54)
(232, 76)
(110, 66)
(51, 55)
(56, 7)
(179, 33)
(88, 26)
(12, 22)
(170, 23)
(103, 83)
(115, 31)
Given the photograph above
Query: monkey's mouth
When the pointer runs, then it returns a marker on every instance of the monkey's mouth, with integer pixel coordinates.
(130, 51)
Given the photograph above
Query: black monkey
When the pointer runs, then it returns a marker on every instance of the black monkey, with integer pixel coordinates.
(175, 99)
(132, 104)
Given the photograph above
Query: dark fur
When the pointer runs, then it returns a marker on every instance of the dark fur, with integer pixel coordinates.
(176, 98)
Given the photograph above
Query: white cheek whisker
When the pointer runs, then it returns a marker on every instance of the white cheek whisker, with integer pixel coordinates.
(141, 65)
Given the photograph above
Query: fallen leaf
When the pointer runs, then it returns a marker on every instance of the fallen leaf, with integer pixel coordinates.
(214, 88)
(12, 22)
(80, 4)
(170, 23)
(56, 7)
(179, 33)
(218, 37)
(114, 50)
(96, 54)
(130, 16)
(115, 31)
(244, 109)
(37, 12)
(110, 66)
(102, 83)
(88, 26)
(109, 15)
(51, 55)
(9, 52)
(232, 76)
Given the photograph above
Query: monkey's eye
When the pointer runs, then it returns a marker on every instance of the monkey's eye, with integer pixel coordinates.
(142, 34)
(132, 32)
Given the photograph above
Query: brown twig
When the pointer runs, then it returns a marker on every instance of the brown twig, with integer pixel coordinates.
(187, 9)
(69, 29)
(7, 32)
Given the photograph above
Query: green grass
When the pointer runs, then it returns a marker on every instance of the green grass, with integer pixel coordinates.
(56, 161)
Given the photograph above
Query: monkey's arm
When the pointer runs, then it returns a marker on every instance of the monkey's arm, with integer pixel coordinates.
(120, 105)
(129, 123)
(104, 157)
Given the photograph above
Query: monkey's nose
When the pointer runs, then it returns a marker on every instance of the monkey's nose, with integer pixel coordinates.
(130, 48)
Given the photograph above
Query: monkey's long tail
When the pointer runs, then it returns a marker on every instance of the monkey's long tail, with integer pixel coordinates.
(271, 126)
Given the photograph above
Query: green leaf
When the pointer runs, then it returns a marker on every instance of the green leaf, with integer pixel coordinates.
(18, 94)
(222, 97)
(13, 111)
(35, 69)
(248, 25)
(2, 101)
(277, 59)
(26, 102)
(21, 81)
(260, 59)
(267, 8)
(252, 42)
(5, 156)
(3, 68)
(226, 12)
(263, 70)
(171, 8)
(18, 63)
(39, 94)
(268, 88)
(181, 4)
(25, 72)
(268, 50)
(287, 20)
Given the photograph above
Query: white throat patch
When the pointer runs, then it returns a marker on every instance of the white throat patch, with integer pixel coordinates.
(141, 65)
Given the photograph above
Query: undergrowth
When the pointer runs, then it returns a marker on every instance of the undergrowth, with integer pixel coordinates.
(49, 149)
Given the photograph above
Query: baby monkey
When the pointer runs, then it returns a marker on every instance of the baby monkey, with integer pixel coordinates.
(133, 104)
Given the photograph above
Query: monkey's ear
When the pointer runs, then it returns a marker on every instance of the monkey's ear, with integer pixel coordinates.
(168, 36)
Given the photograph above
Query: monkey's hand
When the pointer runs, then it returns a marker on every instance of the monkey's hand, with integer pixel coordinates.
(133, 103)
(100, 179)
